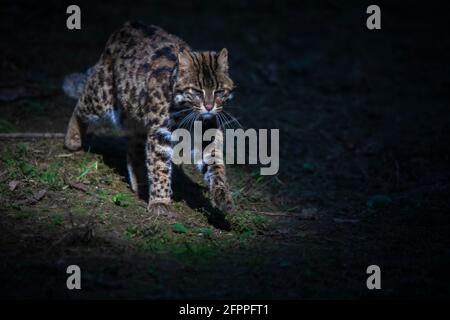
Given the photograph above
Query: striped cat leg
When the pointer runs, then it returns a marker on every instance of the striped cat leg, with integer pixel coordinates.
(213, 169)
(159, 167)
(220, 192)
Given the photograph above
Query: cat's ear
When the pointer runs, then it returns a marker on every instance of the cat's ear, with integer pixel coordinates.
(184, 60)
(222, 60)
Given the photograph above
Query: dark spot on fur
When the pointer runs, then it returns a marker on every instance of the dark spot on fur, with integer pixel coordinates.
(162, 71)
(157, 95)
(166, 91)
(145, 67)
(152, 121)
(142, 94)
(141, 112)
(163, 139)
(162, 156)
(166, 52)
(130, 44)
(101, 75)
(166, 122)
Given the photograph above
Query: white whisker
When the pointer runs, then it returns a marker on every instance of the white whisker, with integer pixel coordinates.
(232, 119)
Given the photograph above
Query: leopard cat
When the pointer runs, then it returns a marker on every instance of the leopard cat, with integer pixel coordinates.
(145, 81)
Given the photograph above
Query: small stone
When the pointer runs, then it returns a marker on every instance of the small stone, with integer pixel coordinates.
(13, 185)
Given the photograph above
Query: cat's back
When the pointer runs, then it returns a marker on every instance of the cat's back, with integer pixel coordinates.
(136, 43)
(141, 59)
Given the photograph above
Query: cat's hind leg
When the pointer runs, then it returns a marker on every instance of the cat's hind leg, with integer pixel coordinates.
(136, 161)
(75, 131)
(95, 103)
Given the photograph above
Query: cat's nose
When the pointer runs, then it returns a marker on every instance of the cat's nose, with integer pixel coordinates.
(209, 106)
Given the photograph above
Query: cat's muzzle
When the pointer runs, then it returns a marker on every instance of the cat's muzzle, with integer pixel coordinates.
(209, 119)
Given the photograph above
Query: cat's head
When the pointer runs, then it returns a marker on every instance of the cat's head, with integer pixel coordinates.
(203, 81)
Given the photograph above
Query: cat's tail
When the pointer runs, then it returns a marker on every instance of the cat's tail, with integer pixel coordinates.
(74, 83)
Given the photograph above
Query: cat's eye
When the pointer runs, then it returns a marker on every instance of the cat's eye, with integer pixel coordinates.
(219, 93)
(196, 92)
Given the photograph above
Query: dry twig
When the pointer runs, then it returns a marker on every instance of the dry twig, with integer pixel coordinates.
(32, 135)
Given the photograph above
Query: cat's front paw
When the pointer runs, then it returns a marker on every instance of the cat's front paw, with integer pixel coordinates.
(162, 209)
(222, 199)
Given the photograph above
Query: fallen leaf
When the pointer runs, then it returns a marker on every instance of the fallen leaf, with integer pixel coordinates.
(38, 195)
(79, 186)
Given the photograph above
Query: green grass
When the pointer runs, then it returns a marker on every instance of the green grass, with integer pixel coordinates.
(50, 176)
(190, 239)
(19, 167)
(206, 232)
(180, 228)
(131, 231)
(57, 220)
(121, 199)
(247, 223)
(16, 163)
(87, 169)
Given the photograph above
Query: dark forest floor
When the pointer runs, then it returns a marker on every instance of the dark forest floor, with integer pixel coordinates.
(364, 162)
